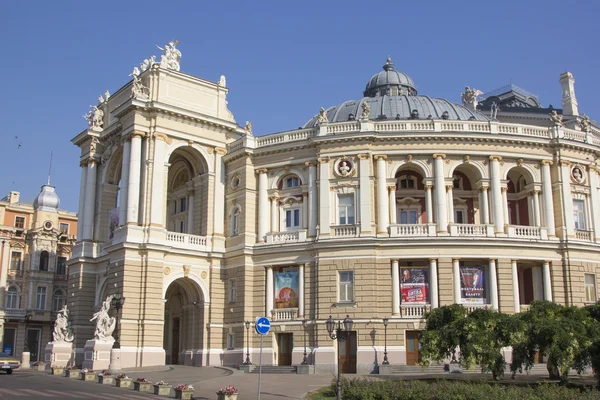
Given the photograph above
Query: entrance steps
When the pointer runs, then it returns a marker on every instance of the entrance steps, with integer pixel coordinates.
(274, 369)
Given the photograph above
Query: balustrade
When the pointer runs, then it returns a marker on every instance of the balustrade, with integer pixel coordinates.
(186, 241)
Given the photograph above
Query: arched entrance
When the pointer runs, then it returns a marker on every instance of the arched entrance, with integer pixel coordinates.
(183, 336)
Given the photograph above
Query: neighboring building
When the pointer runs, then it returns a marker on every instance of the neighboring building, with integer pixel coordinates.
(386, 206)
(36, 243)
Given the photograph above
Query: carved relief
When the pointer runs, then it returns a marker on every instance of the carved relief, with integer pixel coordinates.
(344, 167)
(577, 174)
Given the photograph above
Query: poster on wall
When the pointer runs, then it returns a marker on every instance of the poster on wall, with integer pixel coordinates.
(113, 221)
(472, 285)
(286, 289)
(414, 285)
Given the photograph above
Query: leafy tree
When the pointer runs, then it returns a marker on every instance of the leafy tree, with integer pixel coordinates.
(441, 336)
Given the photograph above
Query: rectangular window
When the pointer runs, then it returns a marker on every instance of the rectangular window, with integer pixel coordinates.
(590, 288)
(292, 218)
(408, 217)
(230, 341)
(346, 294)
(346, 209)
(9, 341)
(579, 214)
(61, 265)
(174, 207)
(459, 216)
(231, 296)
(183, 204)
(64, 228)
(20, 222)
(15, 260)
(292, 182)
(40, 302)
(182, 226)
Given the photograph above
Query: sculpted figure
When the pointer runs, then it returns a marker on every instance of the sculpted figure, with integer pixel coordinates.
(470, 96)
(248, 128)
(138, 90)
(105, 325)
(147, 63)
(106, 95)
(494, 111)
(366, 110)
(556, 118)
(585, 124)
(222, 81)
(171, 56)
(62, 329)
(100, 99)
(95, 117)
(322, 116)
(344, 168)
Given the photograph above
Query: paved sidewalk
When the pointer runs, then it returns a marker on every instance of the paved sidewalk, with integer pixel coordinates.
(207, 380)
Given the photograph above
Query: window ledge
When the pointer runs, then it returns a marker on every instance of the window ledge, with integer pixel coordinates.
(343, 304)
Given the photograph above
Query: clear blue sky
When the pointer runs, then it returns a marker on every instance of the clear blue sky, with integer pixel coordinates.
(283, 60)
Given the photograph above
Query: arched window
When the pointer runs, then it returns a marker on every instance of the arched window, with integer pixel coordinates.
(235, 221)
(12, 298)
(44, 257)
(58, 300)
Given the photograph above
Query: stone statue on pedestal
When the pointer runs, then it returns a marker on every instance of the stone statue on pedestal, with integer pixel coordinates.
(556, 118)
(469, 97)
(366, 111)
(105, 325)
(585, 124)
(95, 117)
(322, 118)
(62, 328)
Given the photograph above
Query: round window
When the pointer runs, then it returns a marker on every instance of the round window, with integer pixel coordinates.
(235, 182)
(48, 225)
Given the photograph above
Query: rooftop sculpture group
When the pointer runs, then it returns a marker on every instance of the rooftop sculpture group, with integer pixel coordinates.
(95, 118)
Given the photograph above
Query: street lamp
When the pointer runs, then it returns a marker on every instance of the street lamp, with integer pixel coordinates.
(304, 360)
(247, 362)
(28, 318)
(117, 303)
(340, 334)
(385, 359)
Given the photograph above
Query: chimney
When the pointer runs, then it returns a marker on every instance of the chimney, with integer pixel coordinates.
(14, 197)
(569, 101)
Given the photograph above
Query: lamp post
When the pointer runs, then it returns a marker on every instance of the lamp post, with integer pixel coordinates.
(385, 323)
(117, 303)
(247, 362)
(340, 334)
(304, 360)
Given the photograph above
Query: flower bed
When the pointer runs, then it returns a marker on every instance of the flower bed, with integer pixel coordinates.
(123, 381)
(87, 375)
(39, 366)
(106, 378)
(58, 370)
(227, 393)
(72, 372)
(162, 388)
(184, 391)
(143, 385)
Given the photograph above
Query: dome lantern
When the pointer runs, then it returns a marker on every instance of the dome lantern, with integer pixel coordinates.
(390, 82)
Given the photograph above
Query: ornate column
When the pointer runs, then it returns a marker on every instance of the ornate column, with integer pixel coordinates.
(595, 202)
(392, 203)
(364, 181)
(157, 206)
(395, 288)
(219, 205)
(269, 294)
(450, 203)
(505, 204)
(515, 279)
(324, 196)
(301, 289)
(547, 197)
(312, 198)
(81, 209)
(133, 190)
(485, 211)
(496, 194)
(493, 285)
(456, 279)
(547, 281)
(383, 217)
(305, 210)
(263, 206)
(536, 207)
(90, 200)
(428, 203)
(123, 187)
(565, 170)
(433, 280)
(274, 214)
(440, 192)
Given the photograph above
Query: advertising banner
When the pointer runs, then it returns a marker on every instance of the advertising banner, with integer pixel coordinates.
(286, 289)
(472, 285)
(414, 285)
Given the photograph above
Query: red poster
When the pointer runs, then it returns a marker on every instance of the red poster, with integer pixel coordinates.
(414, 285)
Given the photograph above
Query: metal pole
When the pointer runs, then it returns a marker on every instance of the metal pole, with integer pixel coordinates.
(385, 358)
(304, 361)
(260, 365)
(339, 384)
(247, 344)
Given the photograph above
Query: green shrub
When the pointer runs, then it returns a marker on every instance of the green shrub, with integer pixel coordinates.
(370, 389)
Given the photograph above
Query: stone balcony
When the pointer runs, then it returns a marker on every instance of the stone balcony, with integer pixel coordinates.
(412, 230)
(583, 235)
(286, 237)
(346, 231)
(188, 242)
(284, 314)
(14, 313)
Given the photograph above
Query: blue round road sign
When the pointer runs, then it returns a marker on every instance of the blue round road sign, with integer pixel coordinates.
(262, 325)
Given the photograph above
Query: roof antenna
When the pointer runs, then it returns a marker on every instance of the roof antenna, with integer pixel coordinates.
(50, 167)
